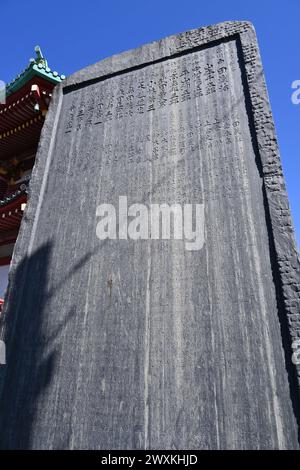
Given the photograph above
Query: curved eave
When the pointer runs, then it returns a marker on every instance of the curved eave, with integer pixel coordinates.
(10, 217)
(33, 70)
(20, 111)
(21, 138)
(13, 201)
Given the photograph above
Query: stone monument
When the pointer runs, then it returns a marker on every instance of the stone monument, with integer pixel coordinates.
(153, 300)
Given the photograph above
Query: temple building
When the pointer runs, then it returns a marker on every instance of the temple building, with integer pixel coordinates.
(22, 116)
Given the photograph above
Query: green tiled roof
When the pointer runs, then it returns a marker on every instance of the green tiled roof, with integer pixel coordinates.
(37, 67)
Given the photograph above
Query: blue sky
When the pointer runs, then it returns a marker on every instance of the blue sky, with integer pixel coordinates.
(73, 34)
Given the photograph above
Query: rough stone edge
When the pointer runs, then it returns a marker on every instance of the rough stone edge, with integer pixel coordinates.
(287, 256)
(285, 247)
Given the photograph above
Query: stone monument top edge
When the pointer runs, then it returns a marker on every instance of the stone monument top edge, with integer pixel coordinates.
(159, 49)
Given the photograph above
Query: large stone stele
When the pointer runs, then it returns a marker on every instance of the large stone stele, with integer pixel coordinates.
(144, 343)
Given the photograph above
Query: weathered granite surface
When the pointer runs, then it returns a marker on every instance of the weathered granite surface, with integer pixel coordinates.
(123, 344)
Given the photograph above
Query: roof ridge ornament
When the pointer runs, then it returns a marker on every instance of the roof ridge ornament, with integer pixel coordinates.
(40, 59)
